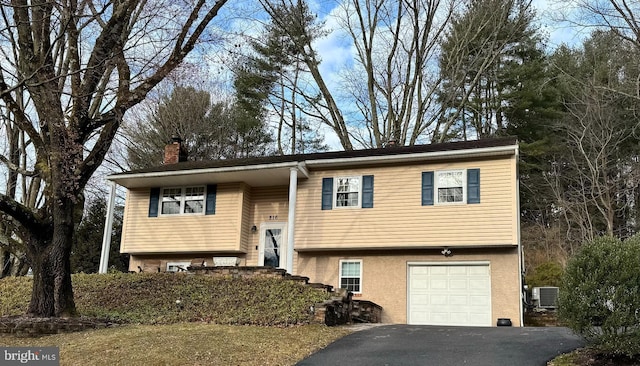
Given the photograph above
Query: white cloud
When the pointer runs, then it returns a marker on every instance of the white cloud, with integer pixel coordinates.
(550, 14)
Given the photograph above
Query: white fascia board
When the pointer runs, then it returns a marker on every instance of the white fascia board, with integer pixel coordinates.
(464, 153)
(302, 168)
(302, 165)
(230, 169)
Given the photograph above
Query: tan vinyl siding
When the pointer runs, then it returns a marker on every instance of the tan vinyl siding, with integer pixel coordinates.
(184, 233)
(399, 220)
(268, 204)
(245, 232)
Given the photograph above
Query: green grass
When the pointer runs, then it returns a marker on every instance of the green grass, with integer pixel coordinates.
(222, 321)
(187, 344)
(151, 298)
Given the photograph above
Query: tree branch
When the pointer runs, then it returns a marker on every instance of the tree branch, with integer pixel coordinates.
(21, 213)
(16, 168)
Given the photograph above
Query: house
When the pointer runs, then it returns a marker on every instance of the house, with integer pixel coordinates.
(430, 233)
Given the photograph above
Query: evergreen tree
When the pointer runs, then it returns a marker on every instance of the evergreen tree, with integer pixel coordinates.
(495, 82)
(269, 79)
(595, 178)
(87, 245)
(209, 130)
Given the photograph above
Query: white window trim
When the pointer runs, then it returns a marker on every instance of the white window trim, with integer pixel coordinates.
(335, 191)
(436, 197)
(183, 197)
(340, 273)
(178, 264)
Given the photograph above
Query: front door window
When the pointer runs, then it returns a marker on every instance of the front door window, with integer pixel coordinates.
(273, 245)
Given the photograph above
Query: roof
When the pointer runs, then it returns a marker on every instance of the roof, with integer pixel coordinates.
(280, 165)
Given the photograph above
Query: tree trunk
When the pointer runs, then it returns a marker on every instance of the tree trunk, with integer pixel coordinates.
(52, 294)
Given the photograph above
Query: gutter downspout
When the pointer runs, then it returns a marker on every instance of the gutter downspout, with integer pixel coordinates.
(520, 249)
(108, 227)
(293, 190)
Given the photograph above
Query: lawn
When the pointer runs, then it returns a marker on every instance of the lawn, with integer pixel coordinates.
(221, 320)
(187, 344)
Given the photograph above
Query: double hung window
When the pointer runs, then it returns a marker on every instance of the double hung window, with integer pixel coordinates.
(185, 200)
(450, 186)
(348, 192)
(351, 275)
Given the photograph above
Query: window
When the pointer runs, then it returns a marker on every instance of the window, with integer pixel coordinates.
(347, 192)
(171, 201)
(351, 275)
(450, 186)
(177, 266)
(194, 200)
(354, 192)
(188, 200)
(183, 200)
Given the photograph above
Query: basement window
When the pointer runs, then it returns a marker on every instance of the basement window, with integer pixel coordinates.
(351, 275)
(177, 266)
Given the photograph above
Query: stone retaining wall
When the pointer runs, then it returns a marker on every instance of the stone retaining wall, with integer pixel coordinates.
(33, 327)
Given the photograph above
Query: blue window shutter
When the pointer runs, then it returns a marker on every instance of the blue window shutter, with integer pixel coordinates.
(473, 185)
(154, 199)
(210, 204)
(327, 193)
(427, 188)
(367, 191)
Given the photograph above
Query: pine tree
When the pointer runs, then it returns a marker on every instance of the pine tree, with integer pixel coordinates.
(87, 245)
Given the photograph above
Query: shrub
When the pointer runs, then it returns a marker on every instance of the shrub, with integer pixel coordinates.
(600, 295)
(546, 274)
(15, 293)
(150, 298)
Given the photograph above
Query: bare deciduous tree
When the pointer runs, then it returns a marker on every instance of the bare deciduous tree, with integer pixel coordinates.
(392, 90)
(595, 178)
(81, 65)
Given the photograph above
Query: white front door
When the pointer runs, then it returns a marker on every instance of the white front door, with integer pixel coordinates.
(273, 245)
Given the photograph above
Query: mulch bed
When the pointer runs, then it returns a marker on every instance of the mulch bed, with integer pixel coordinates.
(591, 357)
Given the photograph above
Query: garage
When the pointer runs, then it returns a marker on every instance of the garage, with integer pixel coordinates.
(449, 294)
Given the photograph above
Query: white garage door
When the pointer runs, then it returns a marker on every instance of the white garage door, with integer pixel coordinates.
(450, 294)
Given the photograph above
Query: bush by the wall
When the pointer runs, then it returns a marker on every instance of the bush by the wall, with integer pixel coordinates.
(150, 298)
(546, 274)
(600, 295)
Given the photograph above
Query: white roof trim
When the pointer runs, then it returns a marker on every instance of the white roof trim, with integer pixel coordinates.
(302, 165)
(477, 152)
(237, 168)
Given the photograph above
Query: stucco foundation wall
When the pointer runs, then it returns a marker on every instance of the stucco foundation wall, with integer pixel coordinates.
(136, 261)
(384, 276)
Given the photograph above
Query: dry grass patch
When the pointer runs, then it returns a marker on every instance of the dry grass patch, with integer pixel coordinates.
(187, 344)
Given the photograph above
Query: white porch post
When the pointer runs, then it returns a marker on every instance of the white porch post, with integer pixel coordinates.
(108, 224)
(293, 189)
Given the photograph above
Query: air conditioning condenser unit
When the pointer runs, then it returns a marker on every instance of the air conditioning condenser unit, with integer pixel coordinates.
(545, 297)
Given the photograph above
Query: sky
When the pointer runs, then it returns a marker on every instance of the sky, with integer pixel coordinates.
(337, 53)
(335, 49)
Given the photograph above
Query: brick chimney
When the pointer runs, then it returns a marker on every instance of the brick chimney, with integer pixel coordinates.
(174, 151)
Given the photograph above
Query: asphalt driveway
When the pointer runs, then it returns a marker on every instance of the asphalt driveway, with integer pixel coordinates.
(442, 346)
